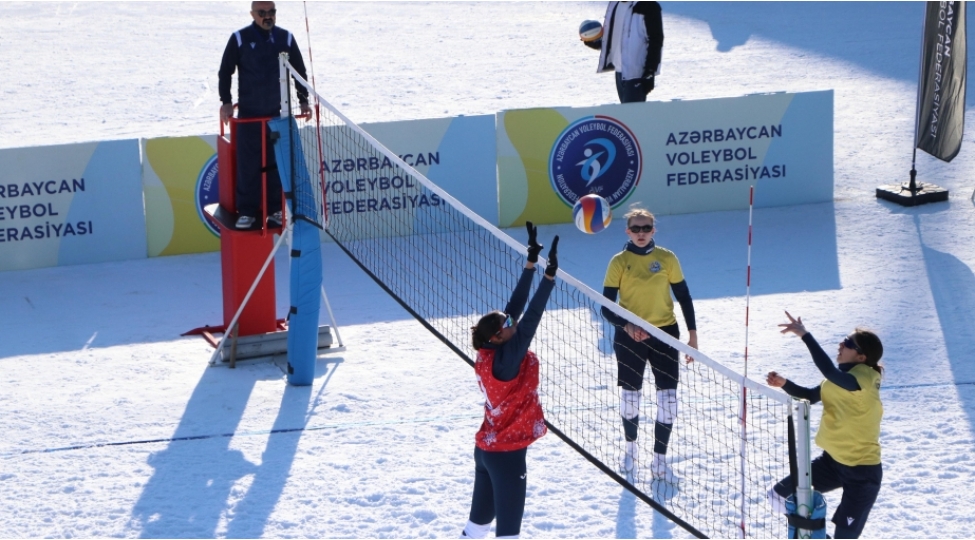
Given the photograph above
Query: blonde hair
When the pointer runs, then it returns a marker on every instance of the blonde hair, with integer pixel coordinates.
(638, 211)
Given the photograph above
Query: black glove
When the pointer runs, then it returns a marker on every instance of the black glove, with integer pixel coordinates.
(534, 248)
(597, 44)
(553, 258)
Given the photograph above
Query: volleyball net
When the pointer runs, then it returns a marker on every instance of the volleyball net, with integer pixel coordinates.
(448, 266)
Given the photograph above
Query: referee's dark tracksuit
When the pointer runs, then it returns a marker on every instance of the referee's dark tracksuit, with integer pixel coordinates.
(253, 53)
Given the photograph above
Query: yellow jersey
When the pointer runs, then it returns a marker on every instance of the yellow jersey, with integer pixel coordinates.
(644, 283)
(850, 427)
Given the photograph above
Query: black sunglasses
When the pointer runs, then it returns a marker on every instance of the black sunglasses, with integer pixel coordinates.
(640, 228)
(850, 344)
(268, 13)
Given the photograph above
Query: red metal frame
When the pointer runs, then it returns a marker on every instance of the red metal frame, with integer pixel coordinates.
(243, 252)
(229, 201)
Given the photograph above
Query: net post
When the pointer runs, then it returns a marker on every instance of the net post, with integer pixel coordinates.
(283, 81)
(804, 490)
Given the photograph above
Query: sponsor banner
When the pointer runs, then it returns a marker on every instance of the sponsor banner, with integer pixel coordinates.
(71, 204)
(941, 85)
(671, 157)
(179, 179)
(457, 154)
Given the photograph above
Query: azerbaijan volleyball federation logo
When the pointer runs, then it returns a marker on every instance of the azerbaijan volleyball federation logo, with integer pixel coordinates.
(595, 154)
(208, 192)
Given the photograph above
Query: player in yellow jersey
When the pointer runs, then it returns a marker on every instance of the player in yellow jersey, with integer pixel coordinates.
(849, 432)
(643, 276)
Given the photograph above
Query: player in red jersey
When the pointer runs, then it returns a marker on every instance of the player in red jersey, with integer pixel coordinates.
(507, 373)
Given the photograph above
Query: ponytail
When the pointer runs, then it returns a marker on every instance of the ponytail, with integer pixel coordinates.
(872, 348)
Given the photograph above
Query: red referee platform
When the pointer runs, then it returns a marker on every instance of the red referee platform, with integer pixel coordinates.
(257, 332)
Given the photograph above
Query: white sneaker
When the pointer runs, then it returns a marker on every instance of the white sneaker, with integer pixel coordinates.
(275, 219)
(658, 467)
(245, 222)
(631, 465)
(631, 457)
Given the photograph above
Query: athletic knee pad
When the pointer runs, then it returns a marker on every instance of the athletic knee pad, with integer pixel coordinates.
(666, 406)
(629, 404)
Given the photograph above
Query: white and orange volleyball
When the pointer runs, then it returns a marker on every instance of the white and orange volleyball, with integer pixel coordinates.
(592, 213)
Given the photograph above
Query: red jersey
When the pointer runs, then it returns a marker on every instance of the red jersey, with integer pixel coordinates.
(513, 417)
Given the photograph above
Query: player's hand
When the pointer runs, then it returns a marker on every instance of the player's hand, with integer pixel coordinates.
(226, 112)
(692, 343)
(305, 111)
(794, 325)
(534, 248)
(775, 380)
(553, 258)
(635, 332)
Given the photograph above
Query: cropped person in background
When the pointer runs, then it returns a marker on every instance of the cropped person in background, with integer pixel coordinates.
(643, 276)
(253, 52)
(631, 46)
(849, 432)
(507, 373)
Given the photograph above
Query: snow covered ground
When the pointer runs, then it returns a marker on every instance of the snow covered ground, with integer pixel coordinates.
(91, 355)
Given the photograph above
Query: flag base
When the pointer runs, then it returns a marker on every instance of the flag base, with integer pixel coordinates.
(902, 195)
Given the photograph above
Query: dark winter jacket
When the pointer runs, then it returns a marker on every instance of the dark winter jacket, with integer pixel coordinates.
(640, 39)
(253, 53)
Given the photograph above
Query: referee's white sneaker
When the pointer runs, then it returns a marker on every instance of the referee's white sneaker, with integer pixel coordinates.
(274, 219)
(244, 222)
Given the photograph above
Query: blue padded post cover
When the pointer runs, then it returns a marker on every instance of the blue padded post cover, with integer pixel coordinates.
(306, 266)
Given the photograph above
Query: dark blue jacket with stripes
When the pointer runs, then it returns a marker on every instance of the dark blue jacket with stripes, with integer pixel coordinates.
(253, 53)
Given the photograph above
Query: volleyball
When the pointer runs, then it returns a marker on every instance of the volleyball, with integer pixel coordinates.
(592, 214)
(590, 31)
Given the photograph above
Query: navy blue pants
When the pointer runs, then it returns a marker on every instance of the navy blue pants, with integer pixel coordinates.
(249, 172)
(633, 90)
(860, 484)
(500, 483)
(632, 358)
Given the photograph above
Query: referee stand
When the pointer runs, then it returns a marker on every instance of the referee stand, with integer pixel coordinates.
(250, 326)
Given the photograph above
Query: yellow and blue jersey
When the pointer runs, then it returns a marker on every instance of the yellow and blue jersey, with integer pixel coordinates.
(644, 283)
(850, 428)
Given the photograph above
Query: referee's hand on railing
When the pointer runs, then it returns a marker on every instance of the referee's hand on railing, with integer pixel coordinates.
(226, 112)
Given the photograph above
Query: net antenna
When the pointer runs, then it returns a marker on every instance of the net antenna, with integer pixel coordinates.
(743, 452)
(321, 170)
(447, 266)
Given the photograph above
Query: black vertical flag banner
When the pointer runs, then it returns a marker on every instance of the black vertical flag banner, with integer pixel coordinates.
(941, 88)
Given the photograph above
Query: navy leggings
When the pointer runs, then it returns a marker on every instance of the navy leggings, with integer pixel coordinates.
(860, 484)
(249, 172)
(499, 490)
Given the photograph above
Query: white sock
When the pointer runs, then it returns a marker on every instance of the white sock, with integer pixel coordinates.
(777, 501)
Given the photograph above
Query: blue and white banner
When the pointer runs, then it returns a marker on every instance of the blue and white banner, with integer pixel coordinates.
(673, 157)
(71, 204)
(457, 154)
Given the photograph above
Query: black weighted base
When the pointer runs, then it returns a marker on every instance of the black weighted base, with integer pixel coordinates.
(900, 194)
